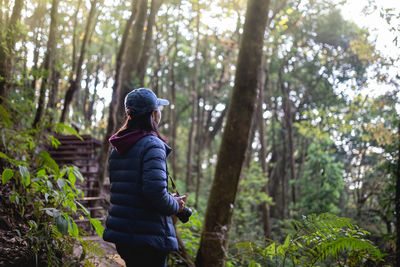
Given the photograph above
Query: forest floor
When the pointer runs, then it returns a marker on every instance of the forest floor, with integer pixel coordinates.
(112, 258)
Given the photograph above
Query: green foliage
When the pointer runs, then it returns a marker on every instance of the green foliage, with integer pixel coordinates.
(321, 183)
(45, 195)
(247, 219)
(317, 239)
(190, 233)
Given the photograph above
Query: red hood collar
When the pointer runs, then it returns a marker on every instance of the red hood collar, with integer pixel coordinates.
(124, 142)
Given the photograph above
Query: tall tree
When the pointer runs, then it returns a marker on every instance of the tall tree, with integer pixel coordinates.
(48, 61)
(193, 118)
(148, 41)
(235, 138)
(116, 95)
(263, 153)
(75, 84)
(134, 50)
(398, 201)
(7, 40)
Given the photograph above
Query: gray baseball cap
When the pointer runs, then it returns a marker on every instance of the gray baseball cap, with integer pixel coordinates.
(143, 100)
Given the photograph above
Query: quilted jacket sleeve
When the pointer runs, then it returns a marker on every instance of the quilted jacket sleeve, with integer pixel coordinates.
(155, 179)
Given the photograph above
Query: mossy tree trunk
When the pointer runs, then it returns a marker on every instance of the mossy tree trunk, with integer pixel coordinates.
(76, 83)
(398, 202)
(235, 139)
(115, 98)
(7, 40)
(134, 50)
(48, 61)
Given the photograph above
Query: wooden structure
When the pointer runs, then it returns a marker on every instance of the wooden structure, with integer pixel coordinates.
(83, 154)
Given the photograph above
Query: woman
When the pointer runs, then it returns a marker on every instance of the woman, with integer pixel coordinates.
(139, 221)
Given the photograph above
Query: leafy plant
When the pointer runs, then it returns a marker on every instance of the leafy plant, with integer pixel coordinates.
(45, 195)
(190, 234)
(316, 239)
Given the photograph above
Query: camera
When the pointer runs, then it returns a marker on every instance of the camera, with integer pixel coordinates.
(184, 215)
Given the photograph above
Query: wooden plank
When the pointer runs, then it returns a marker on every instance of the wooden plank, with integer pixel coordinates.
(87, 154)
(95, 208)
(87, 220)
(92, 198)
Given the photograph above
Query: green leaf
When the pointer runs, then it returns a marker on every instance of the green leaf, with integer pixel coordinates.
(41, 173)
(84, 209)
(49, 185)
(7, 175)
(14, 197)
(54, 141)
(71, 177)
(26, 177)
(12, 161)
(4, 156)
(65, 129)
(5, 116)
(48, 161)
(61, 183)
(74, 232)
(97, 226)
(287, 242)
(62, 224)
(254, 264)
(52, 212)
(78, 174)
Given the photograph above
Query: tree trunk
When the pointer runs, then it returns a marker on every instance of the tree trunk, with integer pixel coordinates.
(1, 12)
(195, 106)
(76, 83)
(190, 148)
(115, 99)
(285, 138)
(35, 68)
(55, 78)
(48, 61)
(198, 146)
(287, 109)
(7, 50)
(133, 55)
(173, 116)
(234, 139)
(273, 171)
(91, 100)
(398, 201)
(74, 41)
(148, 41)
(261, 130)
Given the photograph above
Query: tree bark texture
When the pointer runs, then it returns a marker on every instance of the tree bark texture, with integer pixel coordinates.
(48, 61)
(7, 49)
(173, 115)
(234, 139)
(263, 152)
(398, 201)
(274, 169)
(76, 83)
(74, 40)
(35, 68)
(115, 98)
(287, 109)
(134, 50)
(148, 41)
(190, 149)
(195, 107)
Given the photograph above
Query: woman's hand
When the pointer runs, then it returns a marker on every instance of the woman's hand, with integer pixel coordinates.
(181, 201)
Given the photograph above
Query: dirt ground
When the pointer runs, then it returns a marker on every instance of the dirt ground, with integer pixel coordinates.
(113, 259)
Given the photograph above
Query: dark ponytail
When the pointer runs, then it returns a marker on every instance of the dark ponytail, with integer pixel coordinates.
(144, 122)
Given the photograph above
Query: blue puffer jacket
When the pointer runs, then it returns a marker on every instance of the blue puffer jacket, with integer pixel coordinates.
(140, 204)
